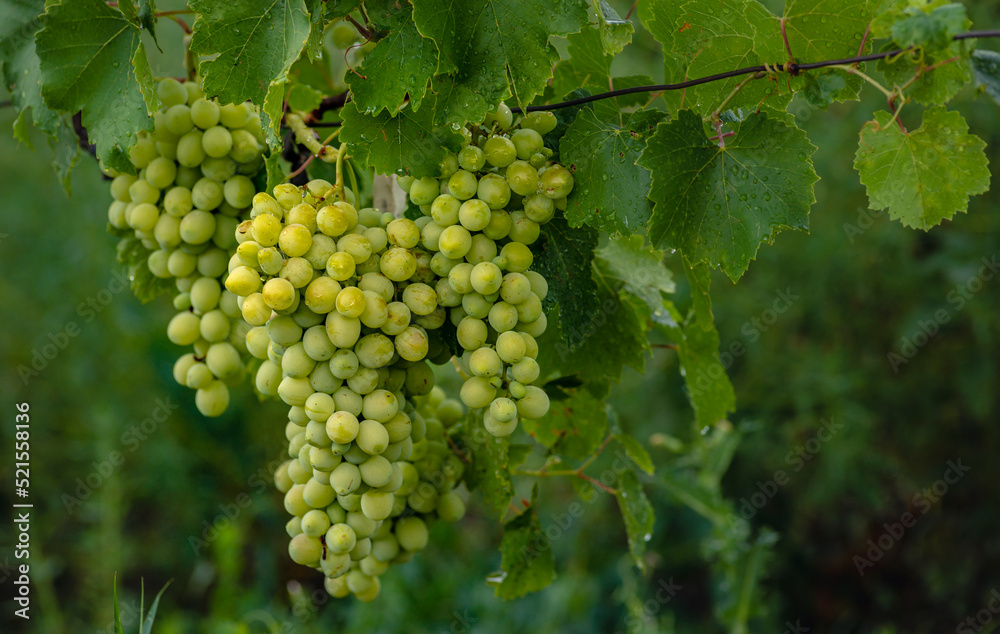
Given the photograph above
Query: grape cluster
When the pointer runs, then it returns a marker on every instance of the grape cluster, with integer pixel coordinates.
(480, 218)
(344, 322)
(192, 188)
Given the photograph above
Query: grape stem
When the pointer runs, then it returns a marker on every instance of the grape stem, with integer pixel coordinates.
(362, 29)
(545, 472)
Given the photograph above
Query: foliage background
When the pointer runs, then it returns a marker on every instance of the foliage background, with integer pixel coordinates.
(824, 358)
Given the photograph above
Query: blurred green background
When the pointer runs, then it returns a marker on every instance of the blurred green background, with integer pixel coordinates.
(128, 479)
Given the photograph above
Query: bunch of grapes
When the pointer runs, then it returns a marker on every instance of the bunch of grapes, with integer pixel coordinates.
(192, 189)
(344, 321)
(480, 218)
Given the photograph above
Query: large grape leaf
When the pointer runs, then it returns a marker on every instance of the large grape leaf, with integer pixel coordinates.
(493, 49)
(616, 31)
(640, 268)
(930, 27)
(637, 513)
(610, 188)
(86, 51)
(401, 64)
(718, 204)
(574, 427)
(564, 257)
(19, 19)
(408, 143)
(526, 557)
(923, 176)
(489, 470)
(246, 45)
(987, 69)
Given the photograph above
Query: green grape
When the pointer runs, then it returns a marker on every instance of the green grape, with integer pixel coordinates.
(213, 262)
(265, 230)
(303, 214)
(497, 428)
(397, 319)
(527, 142)
(120, 186)
(485, 362)
(357, 246)
(295, 362)
(372, 437)
(189, 150)
(535, 403)
(463, 185)
(424, 190)
(182, 366)
(142, 192)
(342, 426)
(177, 201)
(477, 392)
(502, 118)
(476, 305)
(317, 494)
(279, 294)
(377, 505)
(198, 376)
(197, 227)
(522, 178)
(460, 278)
(455, 242)
(223, 359)
(181, 264)
(161, 172)
(510, 347)
(449, 165)
(184, 329)
(214, 326)
(298, 273)
(442, 266)
(204, 113)
(268, 378)
(518, 256)
(177, 119)
(499, 151)
(344, 364)
(377, 237)
(535, 328)
(238, 191)
(494, 191)
(411, 532)
(378, 284)
(234, 116)
(445, 210)
(375, 350)
(420, 299)
(529, 310)
(380, 405)
(344, 35)
(503, 410)
(305, 550)
(450, 508)
(471, 158)
(340, 266)
(315, 523)
(212, 400)
(340, 538)
(502, 317)
(182, 301)
(523, 229)
(171, 92)
(343, 331)
(398, 264)
(525, 371)
(555, 182)
(299, 475)
(257, 341)
(317, 344)
(541, 122)
(376, 472)
(246, 148)
(515, 288)
(167, 231)
(472, 333)
(322, 380)
(254, 310)
(351, 302)
(412, 344)
(486, 278)
(142, 152)
(294, 391)
(539, 208)
(207, 194)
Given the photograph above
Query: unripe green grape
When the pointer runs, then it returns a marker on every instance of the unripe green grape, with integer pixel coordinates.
(419, 379)
(449, 165)
(502, 118)
(485, 362)
(320, 250)
(372, 437)
(476, 306)
(168, 148)
(197, 227)
(143, 152)
(535, 403)
(398, 318)
(295, 362)
(322, 380)
(430, 234)
(238, 191)
(376, 472)
(184, 329)
(344, 36)
(299, 475)
(161, 172)
(294, 391)
(530, 309)
(257, 341)
(303, 214)
(283, 483)
(420, 298)
(317, 494)
(182, 301)
(344, 364)
(375, 350)
(377, 238)
(342, 426)
(472, 333)
(305, 550)
(450, 507)
(535, 328)
(316, 437)
(120, 186)
(460, 278)
(471, 158)
(324, 459)
(477, 392)
(423, 191)
(377, 505)
(503, 317)
(499, 429)
(494, 191)
(198, 376)
(212, 400)
(189, 150)
(167, 231)
(177, 201)
(516, 390)
(510, 346)
(245, 148)
(315, 523)
(214, 326)
(204, 113)
(350, 502)
(518, 256)
(343, 331)
(503, 410)
(224, 235)
(515, 288)
(182, 366)
(541, 122)
(234, 115)
(142, 192)
(207, 194)
(268, 378)
(463, 185)
(455, 242)
(499, 151)
(555, 182)
(525, 371)
(171, 92)
(411, 532)
(213, 263)
(317, 344)
(380, 405)
(378, 284)
(293, 498)
(527, 142)
(357, 246)
(522, 178)
(539, 208)
(177, 119)
(486, 278)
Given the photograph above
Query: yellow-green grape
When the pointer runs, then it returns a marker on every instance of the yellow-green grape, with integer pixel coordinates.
(541, 122)
(143, 217)
(189, 152)
(279, 294)
(214, 326)
(351, 302)
(295, 362)
(403, 232)
(472, 333)
(522, 178)
(376, 311)
(265, 230)
(181, 367)
(246, 148)
(142, 192)
(257, 341)
(476, 306)
(397, 319)
(445, 210)
(177, 201)
(485, 362)
(197, 227)
(530, 310)
(238, 191)
(204, 113)
(284, 331)
(343, 331)
(161, 172)
(374, 350)
(181, 264)
(502, 118)
(412, 344)
(450, 507)
(254, 310)
(177, 119)
(305, 550)
(315, 523)
(157, 263)
(184, 329)
(503, 409)
(527, 142)
(268, 378)
(224, 235)
(420, 298)
(294, 391)
(423, 191)
(516, 390)
(499, 429)
(463, 185)
(525, 371)
(510, 347)
(534, 404)
(344, 364)
(317, 494)
(120, 186)
(477, 392)
(471, 158)
(535, 328)
(555, 182)
(218, 169)
(142, 152)
(341, 266)
(207, 194)
(198, 376)
(378, 284)
(321, 295)
(494, 191)
(372, 437)
(380, 405)
(212, 400)
(357, 246)
(376, 472)
(234, 115)
(303, 214)
(460, 278)
(499, 151)
(455, 242)
(319, 252)
(502, 317)
(474, 214)
(523, 229)
(377, 505)
(518, 257)
(539, 208)
(340, 538)
(515, 288)
(398, 264)
(486, 278)
(171, 92)
(411, 532)
(342, 427)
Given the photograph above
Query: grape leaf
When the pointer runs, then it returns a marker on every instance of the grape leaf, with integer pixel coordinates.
(637, 513)
(144, 75)
(490, 468)
(585, 67)
(336, 9)
(635, 451)
(821, 89)
(564, 257)
(408, 143)
(987, 68)
(401, 64)
(145, 286)
(317, 28)
(493, 49)
(274, 169)
(526, 557)
(718, 204)
(304, 97)
(573, 428)
(86, 51)
(147, 18)
(924, 176)
(127, 8)
(19, 19)
(271, 113)
(616, 32)
(246, 45)
(825, 29)
(640, 268)
(66, 154)
(610, 188)
(930, 27)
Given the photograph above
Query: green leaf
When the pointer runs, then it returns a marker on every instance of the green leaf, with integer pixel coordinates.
(636, 452)
(825, 29)
(517, 453)
(86, 51)
(616, 32)
(401, 64)
(637, 513)
(271, 114)
(145, 286)
(127, 7)
(274, 169)
(930, 27)
(336, 9)
(987, 68)
(408, 143)
(303, 97)
(144, 75)
(147, 18)
(924, 176)
(586, 66)
(610, 188)
(147, 623)
(574, 428)
(490, 467)
(118, 616)
(317, 28)
(821, 89)
(718, 205)
(493, 49)
(526, 557)
(640, 267)
(66, 153)
(247, 45)
(19, 19)
(564, 257)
